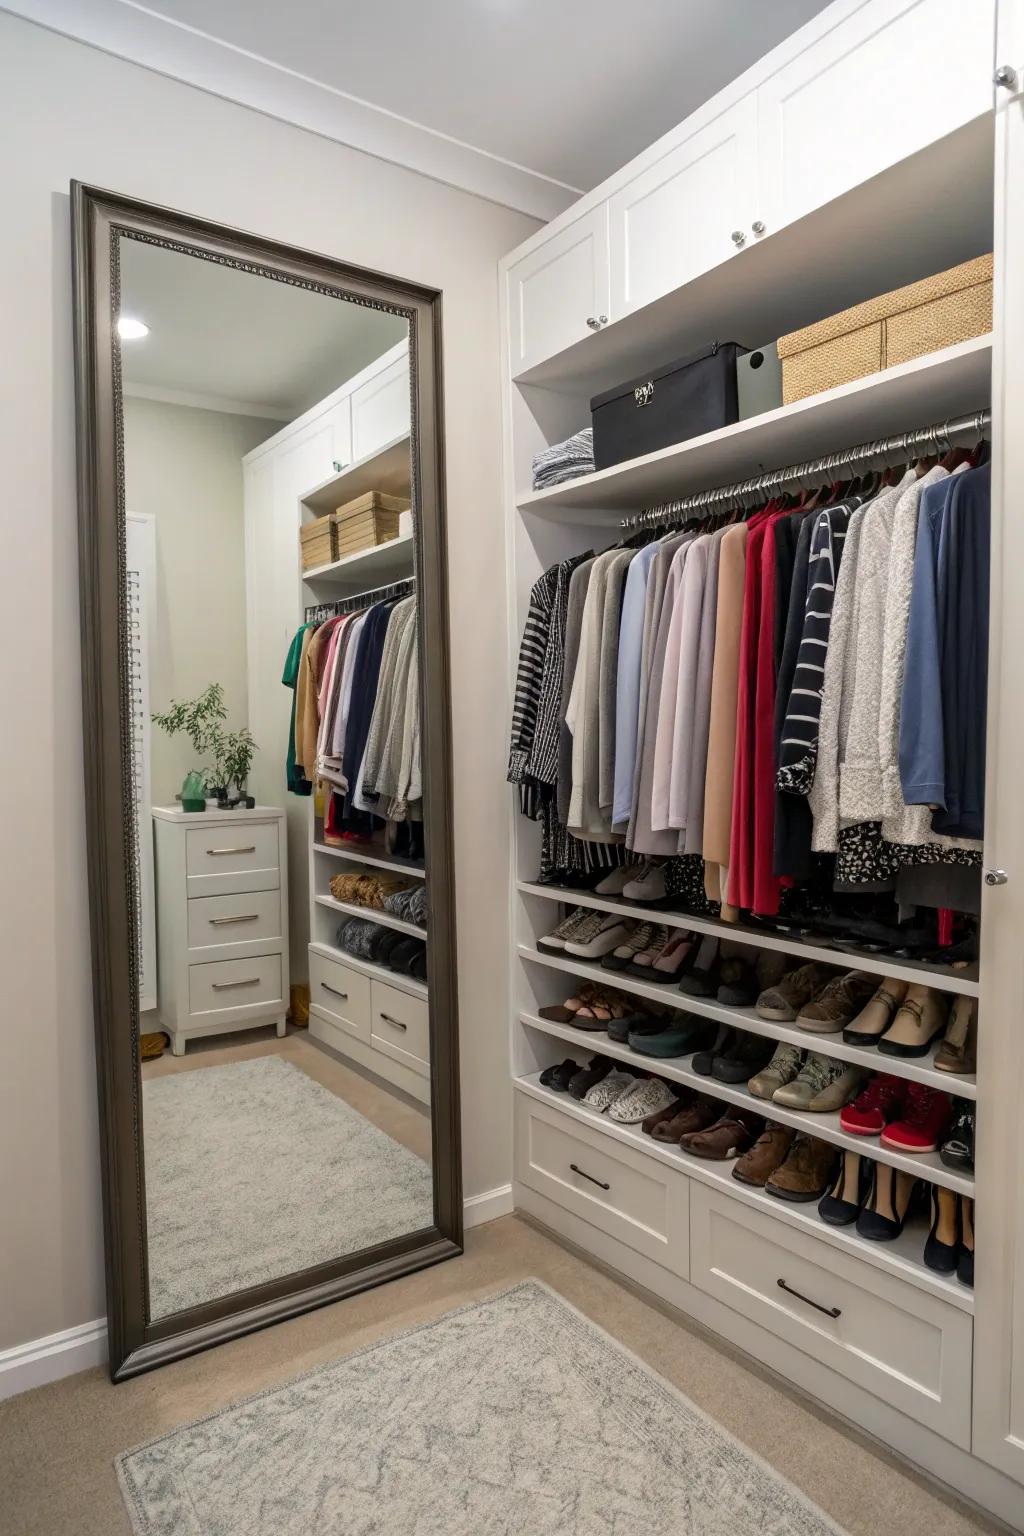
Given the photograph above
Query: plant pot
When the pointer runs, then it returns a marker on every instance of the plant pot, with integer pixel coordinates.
(193, 795)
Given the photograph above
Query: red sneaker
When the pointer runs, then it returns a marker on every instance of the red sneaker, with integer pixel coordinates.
(881, 1101)
(925, 1116)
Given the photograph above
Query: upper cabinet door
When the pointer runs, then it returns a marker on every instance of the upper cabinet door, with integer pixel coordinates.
(556, 291)
(381, 409)
(889, 79)
(691, 210)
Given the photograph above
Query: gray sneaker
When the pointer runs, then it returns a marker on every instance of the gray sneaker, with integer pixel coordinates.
(821, 1085)
(565, 930)
(640, 939)
(782, 1069)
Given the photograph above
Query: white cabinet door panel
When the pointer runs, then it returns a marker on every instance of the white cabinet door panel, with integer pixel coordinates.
(557, 288)
(676, 219)
(380, 409)
(893, 77)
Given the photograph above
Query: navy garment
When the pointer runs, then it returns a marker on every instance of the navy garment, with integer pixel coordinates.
(364, 689)
(922, 730)
(963, 590)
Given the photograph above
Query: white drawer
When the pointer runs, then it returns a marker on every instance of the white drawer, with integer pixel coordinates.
(626, 1194)
(341, 993)
(236, 986)
(910, 1349)
(249, 917)
(400, 1026)
(221, 859)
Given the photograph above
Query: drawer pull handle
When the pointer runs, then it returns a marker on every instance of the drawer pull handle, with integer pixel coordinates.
(828, 1311)
(214, 853)
(396, 1022)
(225, 986)
(244, 917)
(328, 988)
(599, 1182)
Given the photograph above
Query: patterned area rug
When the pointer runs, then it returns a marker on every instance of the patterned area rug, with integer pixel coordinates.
(254, 1170)
(513, 1417)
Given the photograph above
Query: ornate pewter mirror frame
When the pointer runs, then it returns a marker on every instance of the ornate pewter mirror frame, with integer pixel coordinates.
(99, 220)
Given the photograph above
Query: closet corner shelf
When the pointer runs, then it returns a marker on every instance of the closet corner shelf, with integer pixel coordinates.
(902, 1257)
(372, 914)
(920, 1069)
(365, 968)
(366, 569)
(964, 981)
(951, 382)
(358, 855)
(387, 469)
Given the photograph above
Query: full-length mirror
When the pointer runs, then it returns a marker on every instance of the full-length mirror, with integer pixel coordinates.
(264, 621)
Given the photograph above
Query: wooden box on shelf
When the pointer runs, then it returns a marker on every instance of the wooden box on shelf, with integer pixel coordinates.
(317, 541)
(367, 521)
(893, 328)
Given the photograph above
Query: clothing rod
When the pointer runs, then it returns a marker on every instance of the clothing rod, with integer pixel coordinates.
(939, 437)
(338, 605)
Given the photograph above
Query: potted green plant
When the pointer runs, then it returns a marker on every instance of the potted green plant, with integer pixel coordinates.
(228, 753)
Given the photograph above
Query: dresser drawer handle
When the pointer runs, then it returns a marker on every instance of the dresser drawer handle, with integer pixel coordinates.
(828, 1311)
(396, 1022)
(225, 986)
(599, 1182)
(328, 988)
(214, 853)
(243, 917)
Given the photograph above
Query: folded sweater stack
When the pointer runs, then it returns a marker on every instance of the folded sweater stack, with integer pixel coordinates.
(564, 461)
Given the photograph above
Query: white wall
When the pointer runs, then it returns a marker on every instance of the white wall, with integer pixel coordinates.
(184, 467)
(67, 111)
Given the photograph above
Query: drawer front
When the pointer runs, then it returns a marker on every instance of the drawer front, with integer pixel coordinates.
(627, 1195)
(222, 859)
(341, 993)
(910, 1349)
(250, 917)
(400, 1025)
(236, 986)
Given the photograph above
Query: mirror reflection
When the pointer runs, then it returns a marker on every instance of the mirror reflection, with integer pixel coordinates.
(276, 704)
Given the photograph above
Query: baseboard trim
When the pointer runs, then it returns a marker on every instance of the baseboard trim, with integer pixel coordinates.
(50, 1359)
(488, 1207)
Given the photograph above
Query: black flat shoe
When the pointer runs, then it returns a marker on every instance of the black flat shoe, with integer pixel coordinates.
(582, 1082)
(704, 1060)
(548, 1075)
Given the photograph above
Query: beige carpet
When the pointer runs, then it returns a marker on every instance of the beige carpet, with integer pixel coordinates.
(57, 1444)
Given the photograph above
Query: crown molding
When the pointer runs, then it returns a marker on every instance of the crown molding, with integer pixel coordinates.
(128, 31)
(188, 397)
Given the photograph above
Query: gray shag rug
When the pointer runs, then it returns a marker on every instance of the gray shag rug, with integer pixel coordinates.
(513, 1417)
(254, 1171)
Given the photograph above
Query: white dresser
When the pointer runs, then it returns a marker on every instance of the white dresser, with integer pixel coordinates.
(222, 920)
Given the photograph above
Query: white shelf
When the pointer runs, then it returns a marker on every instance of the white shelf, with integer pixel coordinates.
(387, 470)
(954, 381)
(368, 568)
(939, 976)
(374, 914)
(376, 972)
(359, 855)
(918, 1069)
(902, 1257)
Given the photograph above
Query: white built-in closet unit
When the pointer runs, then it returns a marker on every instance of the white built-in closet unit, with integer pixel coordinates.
(355, 440)
(875, 146)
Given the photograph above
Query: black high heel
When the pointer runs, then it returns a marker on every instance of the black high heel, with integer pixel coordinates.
(938, 1254)
(884, 1210)
(965, 1264)
(852, 1177)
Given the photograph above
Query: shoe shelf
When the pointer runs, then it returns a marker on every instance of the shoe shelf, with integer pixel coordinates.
(372, 914)
(360, 855)
(942, 977)
(902, 1257)
(366, 968)
(919, 1069)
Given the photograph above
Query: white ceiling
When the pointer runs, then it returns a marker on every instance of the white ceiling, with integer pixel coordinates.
(569, 89)
(238, 340)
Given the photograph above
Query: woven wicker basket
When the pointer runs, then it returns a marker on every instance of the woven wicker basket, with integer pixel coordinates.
(923, 317)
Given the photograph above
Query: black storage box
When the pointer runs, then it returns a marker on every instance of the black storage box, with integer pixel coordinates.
(683, 399)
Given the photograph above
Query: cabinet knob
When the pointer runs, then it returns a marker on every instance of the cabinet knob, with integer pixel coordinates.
(996, 877)
(596, 321)
(1005, 76)
(759, 226)
(738, 237)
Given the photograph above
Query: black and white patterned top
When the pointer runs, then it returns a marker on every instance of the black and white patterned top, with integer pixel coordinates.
(798, 746)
